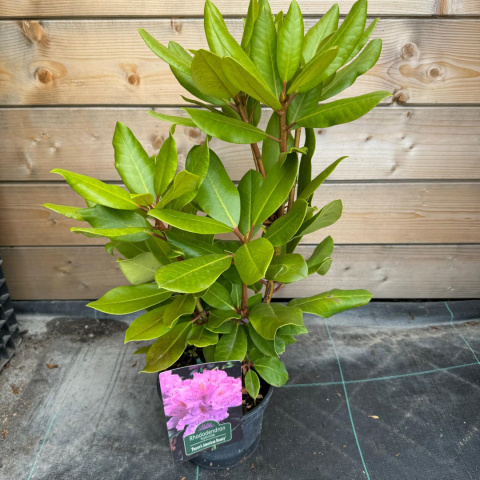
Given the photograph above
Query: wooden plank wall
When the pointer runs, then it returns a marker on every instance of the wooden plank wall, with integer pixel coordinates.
(411, 187)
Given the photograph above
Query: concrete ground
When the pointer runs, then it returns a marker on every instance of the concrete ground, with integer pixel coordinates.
(388, 391)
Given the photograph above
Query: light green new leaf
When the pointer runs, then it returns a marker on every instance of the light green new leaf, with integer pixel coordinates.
(96, 191)
(217, 196)
(252, 384)
(342, 111)
(252, 15)
(183, 183)
(267, 318)
(168, 348)
(327, 216)
(185, 121)
(219, 318)
(252, 260)
(305, 168)
(122, 300)
(249, 185)
(324, 266)
(303, 104)
(140, 269)
(232, 346)
(332, 302)
(363, 39)
(201, 337)
(219, 297)
(144, 199)
(193, 275)
(148, 326)
(321, 253)
(271, 369)
(165, 164)
(225, 128)
(181, 305)
(105, 217)
(321, 30)
(189, 222)
(290, 43)
(285, 227)
(287, 268)
(132, 161)
(70, 212)
(129, 234)
(142, 350)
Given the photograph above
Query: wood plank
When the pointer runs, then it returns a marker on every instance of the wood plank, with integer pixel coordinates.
(46, 273)
(374, 213)
(106, 62)
(388, 143)
(162, 8)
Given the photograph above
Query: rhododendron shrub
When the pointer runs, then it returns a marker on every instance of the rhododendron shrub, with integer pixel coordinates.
(204, 255)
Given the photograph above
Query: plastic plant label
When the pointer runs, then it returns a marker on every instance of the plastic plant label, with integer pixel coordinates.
(203, 407)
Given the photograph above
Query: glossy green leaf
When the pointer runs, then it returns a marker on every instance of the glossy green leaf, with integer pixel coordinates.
(201, 337)
(163, 249)
(225, 128)
(322, 29)
(327, 216)
(285, 227)
(70, 212)
(232, 346)
(105, 217)
(181, 305)
(219, 297)
(292, 330)
(271, 369)
(303, 104)
(96, 191)
(249, 185)
(254, 299)
(145, 199)
(218, 197)
(192, 247)
(129, 299)
(267, 318)
(287, 268)
(332, 302)
(267, 347)
(128, 250)
(185, 121)
(193, 275)
(183, 183)
(148, 326)
(305, 168)
(189, 222)
(252, 260)
(237, 294)
(168, 348)
(197, 160)
(252, 383)
(322, 251)
(219, 318)
(165, 164)
(363, 39)
(140, 269)
(252, 15)
(325, 266)
(130, 234)
(290, 43)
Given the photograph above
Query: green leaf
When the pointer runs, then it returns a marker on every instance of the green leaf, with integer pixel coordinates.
(142, 350)
(218, 318)
(303, 104)
(193, 275)
(254, 299)
(285, 227)
(163, 250)
(322, 29)
(140, 269)
(252, 260)
(191, 247)
(292, 330)
(305, 169)
(232, 346)
(225, 128)
(168, 348)
(237, 293)
(183, 183)
(252, 384)
(321, 253)
(363, 39)
(96, 191)
(267, 318)
(189, 222)
(287, 268)
(332, 302)
(275, 190)
(70, 212)
(271, 369)
(129, 250)
(219, 297)
(148, 326)
(181, 305)
(165, 164)
(218, 197)
(325, 266)
(122, 300)
(105, 217)
(130, 234)
(145, 199)
(176, 61)
(185, 121)
(290, 43)
(249, 23)
(267, 347)
(132, 161)
(201, 337)
(327, 216)
(249, 185)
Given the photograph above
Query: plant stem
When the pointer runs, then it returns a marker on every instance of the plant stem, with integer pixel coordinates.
(200, 310)
(244, 299)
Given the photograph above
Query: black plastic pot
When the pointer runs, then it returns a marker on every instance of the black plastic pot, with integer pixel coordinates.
(232, 454)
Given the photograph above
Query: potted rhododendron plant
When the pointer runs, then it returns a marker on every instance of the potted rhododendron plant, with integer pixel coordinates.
(205, 256)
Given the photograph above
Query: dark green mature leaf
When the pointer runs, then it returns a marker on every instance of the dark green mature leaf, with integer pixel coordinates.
(225, 128)
(168, 348)
(252, 260)
(342, 111)
(105, 217)
(132, 161)
(232, 346)
(219, 297)
(148, 326)
(271, 148)
(162, 249)
(189, 222)
(303, 104)
(193, 275)
(218, 197)
(183, 184)
(263, 49)
(327, 216)
(363, 39)
(285, 227)
(267, 318)
(165, 164)
(140, 269)
(201, 337)
(129, 234)
(181, 305)
(271, 369)
(290, 43)
(332, 302)
(185, 121)
(252, 383)
(321, 30)
(252, 15)
(122, 300)
(249, 185)
(70, 212)
(195, 246)
(347, 75)
(127, 250)
(321, 253)
(272, 348)
(305, 169)
(96, 191)
(287, 268)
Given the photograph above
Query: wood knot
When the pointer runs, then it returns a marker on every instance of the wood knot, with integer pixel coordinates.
(401, 97)
(44, 75)
(193, 133)
(436, 72)
(34, 32)
(176, 25)
(133, 78)
(410, 51)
